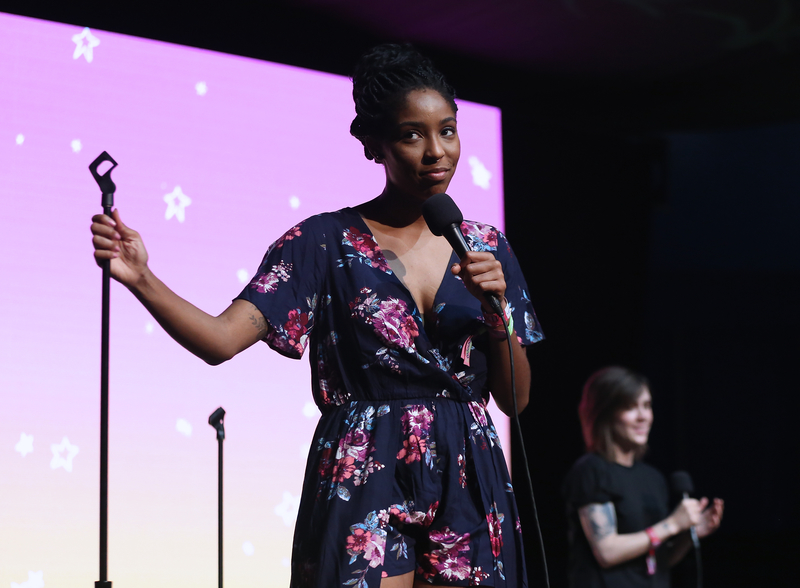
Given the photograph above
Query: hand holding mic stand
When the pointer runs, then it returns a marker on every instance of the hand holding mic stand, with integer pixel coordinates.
(682, 484)
(107, 188)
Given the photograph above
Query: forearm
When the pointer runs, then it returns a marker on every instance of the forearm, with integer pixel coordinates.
(210, 338)
(611, 548)
(678, 548)
(499, 378)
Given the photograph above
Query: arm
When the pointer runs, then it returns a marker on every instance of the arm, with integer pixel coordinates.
(481, 272)
(599, 523)
(710, 519)
(213, 339)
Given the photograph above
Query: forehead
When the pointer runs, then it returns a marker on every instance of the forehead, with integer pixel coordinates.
(424, 103)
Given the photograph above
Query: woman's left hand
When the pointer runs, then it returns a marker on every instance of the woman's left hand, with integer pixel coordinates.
(481, 272)
(710, 518)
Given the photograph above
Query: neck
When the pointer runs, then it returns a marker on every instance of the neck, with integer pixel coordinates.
(624, 456)
(394, 209)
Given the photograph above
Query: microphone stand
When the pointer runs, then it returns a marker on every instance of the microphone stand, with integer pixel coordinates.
(215, 420)
(107, 188)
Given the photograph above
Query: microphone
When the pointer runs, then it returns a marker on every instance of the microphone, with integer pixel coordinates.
(444, 220)
(681, 483)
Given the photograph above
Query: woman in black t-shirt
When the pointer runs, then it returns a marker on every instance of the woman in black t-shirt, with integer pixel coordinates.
(621, 533)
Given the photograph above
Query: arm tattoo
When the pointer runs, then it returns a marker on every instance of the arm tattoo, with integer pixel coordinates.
(602, 519)
(260, 323)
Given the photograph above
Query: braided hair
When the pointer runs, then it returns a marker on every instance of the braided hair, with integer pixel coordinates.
(382, 79)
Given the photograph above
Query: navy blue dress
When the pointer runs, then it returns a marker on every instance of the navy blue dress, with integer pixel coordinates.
(406, 471)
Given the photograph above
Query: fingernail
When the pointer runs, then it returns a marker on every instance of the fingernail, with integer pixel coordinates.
(117, 236)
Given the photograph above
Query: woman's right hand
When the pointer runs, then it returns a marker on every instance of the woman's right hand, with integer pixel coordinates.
(689, 513)
(113, 240)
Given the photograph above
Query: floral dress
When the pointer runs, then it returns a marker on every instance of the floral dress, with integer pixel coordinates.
(406, 472)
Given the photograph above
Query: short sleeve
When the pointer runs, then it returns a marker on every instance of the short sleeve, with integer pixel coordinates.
(287, 286)
(526, 324)
(587, 483)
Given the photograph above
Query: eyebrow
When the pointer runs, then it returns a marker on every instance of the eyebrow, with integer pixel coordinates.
(414, 123)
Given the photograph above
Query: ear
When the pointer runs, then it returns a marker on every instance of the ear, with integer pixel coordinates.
(374, 148)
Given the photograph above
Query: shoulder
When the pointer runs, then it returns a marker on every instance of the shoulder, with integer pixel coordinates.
(483, 237)
(650, 473)
(588, 481)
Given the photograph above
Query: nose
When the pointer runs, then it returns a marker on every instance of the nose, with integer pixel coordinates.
(434, 150)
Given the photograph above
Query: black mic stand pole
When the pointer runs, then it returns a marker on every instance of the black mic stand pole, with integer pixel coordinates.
(107, 202)
(215, 420)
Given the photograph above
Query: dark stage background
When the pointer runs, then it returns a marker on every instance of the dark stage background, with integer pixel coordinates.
(652, 173)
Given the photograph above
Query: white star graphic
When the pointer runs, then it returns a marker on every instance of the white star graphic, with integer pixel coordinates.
(243, 275)
(177, 202)
(310, 410)
(25, 444)
(183, 426)
(63, 462)
(201, 88)
(248, 548)
(76, 145)
(20, 139)
(287, 509)
(85, 42)
(480, 175)
(35, 580)
(294, 202)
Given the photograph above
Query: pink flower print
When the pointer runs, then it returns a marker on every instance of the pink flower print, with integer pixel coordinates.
(366, 247)
(478, 413)
(326, 462)
(394, 325)
(477, 576)
(447, 559)
(289, 235)
(485, 233)
(267, 282)
(358, 541)
(462, 471)
(344, 469)
(451, 542)
(356, 443)
(375, 550)
(454, 568)
(295, 327)
(416, 420)
(412, 450)
(495, 530)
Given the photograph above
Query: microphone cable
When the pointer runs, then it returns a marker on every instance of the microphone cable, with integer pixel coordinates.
(521, 442)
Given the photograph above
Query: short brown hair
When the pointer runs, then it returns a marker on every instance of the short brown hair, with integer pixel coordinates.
(607, 391)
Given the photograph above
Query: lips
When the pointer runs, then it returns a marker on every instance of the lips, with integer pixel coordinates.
(436, 173)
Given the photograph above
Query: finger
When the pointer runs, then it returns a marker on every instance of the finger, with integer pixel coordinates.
(104, 244)
(455, 269)
(101, 255)
(703, 503)
(104, 230)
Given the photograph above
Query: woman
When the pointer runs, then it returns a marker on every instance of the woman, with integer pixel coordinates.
(406, 482)
(620, 530)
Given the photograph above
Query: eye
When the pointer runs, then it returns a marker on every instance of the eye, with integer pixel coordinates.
(448, 131)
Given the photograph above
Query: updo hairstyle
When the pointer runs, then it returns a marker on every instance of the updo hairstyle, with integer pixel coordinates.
(606, 392)
(382, 79)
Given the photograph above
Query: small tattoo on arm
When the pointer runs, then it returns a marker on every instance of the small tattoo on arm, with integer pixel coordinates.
(602, 519)
(260, 323)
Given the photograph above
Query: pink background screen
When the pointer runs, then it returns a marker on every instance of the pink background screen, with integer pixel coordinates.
(218, 156)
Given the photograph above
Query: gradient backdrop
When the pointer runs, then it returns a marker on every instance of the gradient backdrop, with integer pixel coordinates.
(218, 156)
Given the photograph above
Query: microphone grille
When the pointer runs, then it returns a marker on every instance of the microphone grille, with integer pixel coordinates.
(440, 212)
(681, 482)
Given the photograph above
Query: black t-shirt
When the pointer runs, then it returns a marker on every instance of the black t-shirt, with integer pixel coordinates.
(641, 499)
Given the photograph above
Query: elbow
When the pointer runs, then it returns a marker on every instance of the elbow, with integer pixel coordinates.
(602, 559)
(216, 358)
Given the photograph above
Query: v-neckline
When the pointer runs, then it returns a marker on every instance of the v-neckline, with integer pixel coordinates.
(379, 251)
